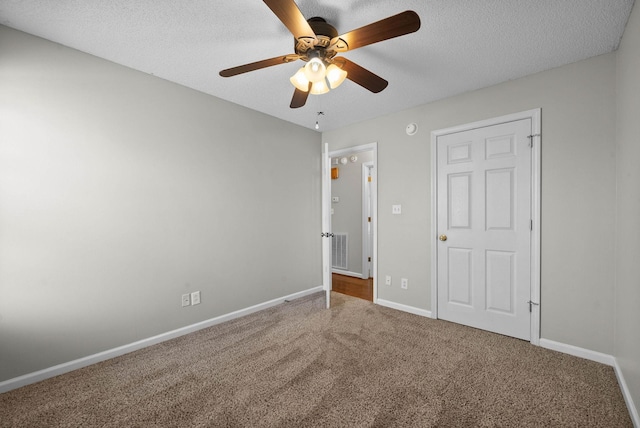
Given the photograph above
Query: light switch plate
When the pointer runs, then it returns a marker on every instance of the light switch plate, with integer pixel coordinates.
(195, 298)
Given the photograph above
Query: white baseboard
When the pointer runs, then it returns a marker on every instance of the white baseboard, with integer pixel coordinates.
(599, 357)
(633, 410)
(59, 369)
(347, 273)
(404, 308)
(587, 354)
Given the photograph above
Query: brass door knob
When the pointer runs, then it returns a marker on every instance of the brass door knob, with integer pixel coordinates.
(443, 237)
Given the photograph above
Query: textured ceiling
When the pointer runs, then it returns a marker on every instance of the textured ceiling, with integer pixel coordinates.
(462, 45)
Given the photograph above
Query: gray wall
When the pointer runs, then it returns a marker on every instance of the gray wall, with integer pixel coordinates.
(627, 306)
(578, 192)
(120, 191)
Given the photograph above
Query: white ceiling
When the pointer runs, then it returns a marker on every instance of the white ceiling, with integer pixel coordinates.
(462, 45)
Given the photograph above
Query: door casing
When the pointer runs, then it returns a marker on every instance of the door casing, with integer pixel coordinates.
(326, 223)
(535, 139)
(367, 211)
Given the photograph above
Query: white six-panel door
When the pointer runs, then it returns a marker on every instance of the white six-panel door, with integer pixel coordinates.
(484, 228)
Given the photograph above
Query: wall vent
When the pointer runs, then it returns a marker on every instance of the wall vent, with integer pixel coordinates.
(339, 251)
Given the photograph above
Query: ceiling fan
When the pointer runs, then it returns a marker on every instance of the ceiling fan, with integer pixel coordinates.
(317, 43)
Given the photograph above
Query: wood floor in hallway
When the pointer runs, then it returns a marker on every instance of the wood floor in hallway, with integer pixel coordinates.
(356, 287)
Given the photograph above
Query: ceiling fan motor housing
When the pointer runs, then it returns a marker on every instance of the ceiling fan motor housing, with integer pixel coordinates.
(308, 47)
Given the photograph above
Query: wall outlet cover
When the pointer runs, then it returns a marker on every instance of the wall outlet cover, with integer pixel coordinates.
(186, 301)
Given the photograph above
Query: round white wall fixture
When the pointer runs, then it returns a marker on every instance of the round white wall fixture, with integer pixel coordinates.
(343, 161)
(353, 158)
(412, 128)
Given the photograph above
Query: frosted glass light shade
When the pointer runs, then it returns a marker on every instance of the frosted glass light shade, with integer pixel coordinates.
(335, 76)
(315, 70)
(319, 88)
(300, 81)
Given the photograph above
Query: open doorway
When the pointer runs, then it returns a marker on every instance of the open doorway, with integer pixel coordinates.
(353, 209)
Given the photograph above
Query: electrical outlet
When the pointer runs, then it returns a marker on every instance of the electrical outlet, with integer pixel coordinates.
(387, 280)
(186, 301)
(195, 298)
(404, 283)
(396, 209)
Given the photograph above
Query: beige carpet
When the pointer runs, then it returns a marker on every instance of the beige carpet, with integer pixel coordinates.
(299, 365)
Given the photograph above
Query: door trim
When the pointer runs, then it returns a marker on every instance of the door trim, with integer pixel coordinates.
(535, 116)
(374, 196)
(367, 206)
(326, 223)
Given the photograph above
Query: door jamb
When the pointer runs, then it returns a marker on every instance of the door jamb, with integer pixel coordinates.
(326, 223)
(367, 167)
(535, 116)
(374, 195)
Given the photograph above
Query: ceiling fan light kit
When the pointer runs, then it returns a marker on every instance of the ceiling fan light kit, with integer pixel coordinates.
(321, 78)
(335, 76)
(319, 88)
(315, 70)
(317, 43)
(300, 81)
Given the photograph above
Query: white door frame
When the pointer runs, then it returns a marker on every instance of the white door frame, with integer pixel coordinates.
(326, 223)
(326, 258)
(535, 139)
(367, 208)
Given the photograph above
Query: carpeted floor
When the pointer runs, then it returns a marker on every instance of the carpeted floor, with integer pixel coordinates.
(300, 365)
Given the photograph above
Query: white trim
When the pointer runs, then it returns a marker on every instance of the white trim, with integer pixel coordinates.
(535, 116)
(434, 227)
(633, 410)
(601, 358)
(536, 215)
(404, 308)
(587, 354)
(374, 196)
(348, 273)
(59, 369)
(326, 223)
(374, 224)
(367, 169)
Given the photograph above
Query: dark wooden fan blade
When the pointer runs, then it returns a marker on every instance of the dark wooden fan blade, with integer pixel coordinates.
(361, 76)
(388, 28)
(299, 98)
(234, 71)
(287, 11)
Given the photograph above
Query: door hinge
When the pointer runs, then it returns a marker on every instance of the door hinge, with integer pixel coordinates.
(369, 179)
(531, 225)
(531, 305)
(530, 137)
(369, 219)
(369, 258)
